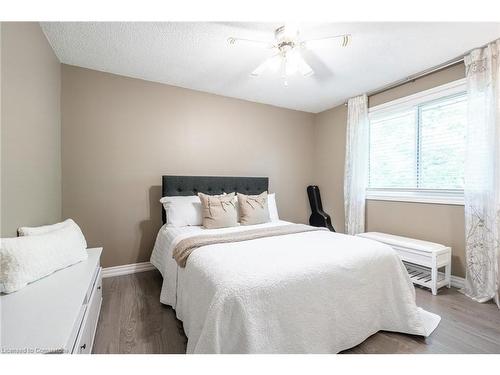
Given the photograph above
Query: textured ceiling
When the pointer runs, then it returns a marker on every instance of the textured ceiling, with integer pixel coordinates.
(196, 55)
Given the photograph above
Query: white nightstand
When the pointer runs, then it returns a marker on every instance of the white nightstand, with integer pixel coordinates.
(422, 259)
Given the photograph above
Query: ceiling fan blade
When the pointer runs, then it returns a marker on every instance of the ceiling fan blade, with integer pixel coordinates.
(233, 41)
(345, 39)
(273, 63)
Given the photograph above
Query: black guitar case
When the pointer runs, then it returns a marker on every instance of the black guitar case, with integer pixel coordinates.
(318, 218)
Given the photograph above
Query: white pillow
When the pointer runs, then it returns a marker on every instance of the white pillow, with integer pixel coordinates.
(273, 209)
(36, 231)
(29, 258)
(182, 211)
(33, 231)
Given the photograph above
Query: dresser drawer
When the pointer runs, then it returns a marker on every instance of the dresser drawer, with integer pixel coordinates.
(86, 335)
(95, 279)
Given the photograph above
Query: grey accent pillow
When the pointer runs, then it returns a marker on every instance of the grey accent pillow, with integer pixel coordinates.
(253, 209)
(219, 211)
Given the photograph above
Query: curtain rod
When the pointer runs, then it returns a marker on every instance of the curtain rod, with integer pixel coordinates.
(457, 60)
(413, 77)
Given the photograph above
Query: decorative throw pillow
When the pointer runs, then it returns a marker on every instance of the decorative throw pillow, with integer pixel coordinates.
(219, 211)
(253, 209)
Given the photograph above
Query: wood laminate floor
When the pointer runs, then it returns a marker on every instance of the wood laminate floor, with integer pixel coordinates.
(133, 320)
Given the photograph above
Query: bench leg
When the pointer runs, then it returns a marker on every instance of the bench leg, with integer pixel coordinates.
(447, 274)
(434, 280)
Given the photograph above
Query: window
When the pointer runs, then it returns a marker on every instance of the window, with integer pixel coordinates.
(417, 147)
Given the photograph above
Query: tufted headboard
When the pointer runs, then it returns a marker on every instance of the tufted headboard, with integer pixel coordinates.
(191, 185)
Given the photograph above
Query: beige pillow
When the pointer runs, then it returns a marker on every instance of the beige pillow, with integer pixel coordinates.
(253, 209)
(219, 211)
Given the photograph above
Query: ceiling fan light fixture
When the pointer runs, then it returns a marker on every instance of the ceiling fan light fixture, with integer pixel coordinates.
(287, 46)
(295, 63)
(304, 68)
(273, 64)
(292, 60)
(260, 69)
(291, 63)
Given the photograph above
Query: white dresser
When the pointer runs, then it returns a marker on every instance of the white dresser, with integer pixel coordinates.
(422, 259)
(57, 314)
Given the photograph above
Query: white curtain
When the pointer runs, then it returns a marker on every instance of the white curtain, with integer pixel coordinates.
(482, 174)
(356, 164)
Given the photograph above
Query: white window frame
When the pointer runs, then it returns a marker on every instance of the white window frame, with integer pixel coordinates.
(435, 196)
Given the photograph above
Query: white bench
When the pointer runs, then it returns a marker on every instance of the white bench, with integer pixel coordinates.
(57, 314)
(421, 258)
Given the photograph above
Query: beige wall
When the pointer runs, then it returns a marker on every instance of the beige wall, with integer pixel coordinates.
(30, 129)
(329, 135)
(120, 135)
(432, 222)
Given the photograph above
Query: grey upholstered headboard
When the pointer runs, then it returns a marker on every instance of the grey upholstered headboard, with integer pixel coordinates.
(191, 185)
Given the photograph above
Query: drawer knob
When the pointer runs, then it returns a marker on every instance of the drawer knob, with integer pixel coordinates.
(83, 346)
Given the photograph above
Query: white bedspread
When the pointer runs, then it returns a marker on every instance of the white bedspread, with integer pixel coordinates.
(313, 292)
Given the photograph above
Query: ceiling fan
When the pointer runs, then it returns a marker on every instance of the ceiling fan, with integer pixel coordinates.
(287, 47)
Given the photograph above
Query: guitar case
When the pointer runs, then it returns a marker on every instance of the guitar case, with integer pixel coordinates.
(318, 218)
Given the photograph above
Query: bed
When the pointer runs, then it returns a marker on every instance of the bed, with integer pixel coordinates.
(310, 292)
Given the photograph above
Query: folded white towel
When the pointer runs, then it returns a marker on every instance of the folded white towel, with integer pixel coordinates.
(28, 258)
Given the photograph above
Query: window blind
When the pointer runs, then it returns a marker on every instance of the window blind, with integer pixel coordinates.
(419, 146)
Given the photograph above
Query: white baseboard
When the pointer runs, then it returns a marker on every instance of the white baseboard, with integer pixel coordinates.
(457, 282)
(127, 269)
